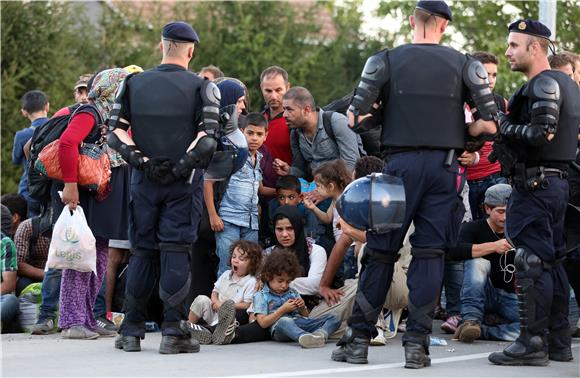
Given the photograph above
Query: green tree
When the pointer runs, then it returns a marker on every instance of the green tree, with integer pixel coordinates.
(42, 43)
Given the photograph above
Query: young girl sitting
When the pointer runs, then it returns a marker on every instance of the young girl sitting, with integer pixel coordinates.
(231, 296)
(331, 178)
(281, 308)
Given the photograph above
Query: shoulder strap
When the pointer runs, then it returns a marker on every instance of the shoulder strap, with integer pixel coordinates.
(327, 123)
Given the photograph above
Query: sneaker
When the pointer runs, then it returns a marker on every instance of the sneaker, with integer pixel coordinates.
(439, 313)
(380, 340)
(225, 330)
(197, 332)
(310, 340)
(79, 333)
(104, 332)
(468, 331)
(451, 324)
(105, 323)
(322, 333)
(43, 327)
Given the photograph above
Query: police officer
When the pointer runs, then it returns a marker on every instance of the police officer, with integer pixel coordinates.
(423, 127)
(540, 132)
(173, 116)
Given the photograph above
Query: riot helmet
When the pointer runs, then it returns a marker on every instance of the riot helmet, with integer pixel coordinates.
(373, 203)
(232, 150)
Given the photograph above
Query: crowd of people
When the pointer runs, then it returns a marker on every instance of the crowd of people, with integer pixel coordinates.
(194, 173)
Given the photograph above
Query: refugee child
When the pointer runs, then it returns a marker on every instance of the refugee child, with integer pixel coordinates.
(231, 296)
(281, 308)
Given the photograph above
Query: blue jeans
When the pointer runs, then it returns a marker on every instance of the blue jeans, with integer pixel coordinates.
(290, 329)
(226, 238)
(8, 308)
(51, 295)
(453, 280)
(477, 190)
(479, 297)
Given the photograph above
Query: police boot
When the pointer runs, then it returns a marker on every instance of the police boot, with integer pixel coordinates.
(531, 347)
(559, 346)
(416, 351)
(174, 344)
(352, 348)
(128, 343)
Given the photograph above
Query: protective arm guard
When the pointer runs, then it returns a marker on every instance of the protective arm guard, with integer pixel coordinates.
(481, 97)
(210, 97)
(545, 95)
(373, 78)
(130, 154)
(198, 157)
(113, 121)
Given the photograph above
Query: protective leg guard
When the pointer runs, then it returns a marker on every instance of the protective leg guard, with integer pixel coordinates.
(175, 279)
(560, 346)
(531, 347)
(416, 351)
(353, 348)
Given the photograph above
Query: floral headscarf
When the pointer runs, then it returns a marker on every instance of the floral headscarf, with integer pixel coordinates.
(104, 89)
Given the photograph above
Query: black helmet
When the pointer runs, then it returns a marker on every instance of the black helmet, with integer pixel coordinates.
(373, 203)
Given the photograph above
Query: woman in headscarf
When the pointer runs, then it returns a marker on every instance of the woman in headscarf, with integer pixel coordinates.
(107, 214)
(233, 92)
(289, 232)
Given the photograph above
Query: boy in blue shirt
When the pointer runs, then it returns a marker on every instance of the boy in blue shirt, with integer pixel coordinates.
(281, 308)
(237, 215)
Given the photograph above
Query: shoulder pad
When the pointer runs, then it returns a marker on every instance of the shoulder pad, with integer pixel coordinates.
(546, 88)
(375, 67)
(210, 93)
(475, 72)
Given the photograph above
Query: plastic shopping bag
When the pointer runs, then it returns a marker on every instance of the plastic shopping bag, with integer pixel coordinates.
(73, 245)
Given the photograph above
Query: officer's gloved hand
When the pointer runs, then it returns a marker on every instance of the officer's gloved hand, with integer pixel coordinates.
(159, 170)
(198, 157)
(228, 119)
(503, 122)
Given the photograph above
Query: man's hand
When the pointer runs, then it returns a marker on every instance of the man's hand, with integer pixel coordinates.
(467, 159)
(331, 296)
(361, 118)
(502, 246)
(281, 167)
(70, 195)
(159, 170)
(216, 223)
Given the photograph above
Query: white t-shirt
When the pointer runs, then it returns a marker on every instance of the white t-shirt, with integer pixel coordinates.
(309, 285)
(239, 291)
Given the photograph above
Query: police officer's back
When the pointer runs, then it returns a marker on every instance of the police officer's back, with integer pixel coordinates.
(422, 87)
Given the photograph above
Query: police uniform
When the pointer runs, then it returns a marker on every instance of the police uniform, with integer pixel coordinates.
(423, 126)
(165, 107)
(547, 104)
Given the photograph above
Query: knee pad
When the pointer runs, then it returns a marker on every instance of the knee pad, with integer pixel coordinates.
(369, 313)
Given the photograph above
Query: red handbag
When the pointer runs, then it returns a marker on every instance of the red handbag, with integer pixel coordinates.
(94, 168)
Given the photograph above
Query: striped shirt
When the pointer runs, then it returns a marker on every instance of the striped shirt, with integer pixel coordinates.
(7, 255)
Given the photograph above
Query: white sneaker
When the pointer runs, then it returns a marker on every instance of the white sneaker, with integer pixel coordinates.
(379, 340)
(309, 340)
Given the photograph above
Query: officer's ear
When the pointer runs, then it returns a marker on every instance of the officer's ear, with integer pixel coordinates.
(412, 21)
(190, 52)
(161, 47)
(443, 26)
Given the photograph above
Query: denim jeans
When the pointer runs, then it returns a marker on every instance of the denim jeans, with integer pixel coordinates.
(477, 190)
(51, 295)
(479, 297)
(8, 308)
(226, 238)
(453, 280)
(290, 329)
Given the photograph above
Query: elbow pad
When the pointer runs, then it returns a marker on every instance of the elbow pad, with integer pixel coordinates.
(210, 98)
(130, 154)
(373, 78)
(198, 157)
(480, 95)
(113, 120)
(545, 93)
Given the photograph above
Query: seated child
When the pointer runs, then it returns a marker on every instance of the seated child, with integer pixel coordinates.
(281, 308)
(231, 296)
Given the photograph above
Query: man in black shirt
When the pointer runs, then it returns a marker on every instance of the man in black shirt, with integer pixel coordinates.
(488, 281)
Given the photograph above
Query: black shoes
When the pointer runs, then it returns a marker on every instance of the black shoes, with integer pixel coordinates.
(520, 354)
(128, 343)
(175, 345)
(416, 356)
(353, 350)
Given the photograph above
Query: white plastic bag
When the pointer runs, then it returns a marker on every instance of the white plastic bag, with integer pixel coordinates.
(73, 245)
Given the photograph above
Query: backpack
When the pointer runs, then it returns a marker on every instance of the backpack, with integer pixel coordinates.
(371, 139)
(38, 183)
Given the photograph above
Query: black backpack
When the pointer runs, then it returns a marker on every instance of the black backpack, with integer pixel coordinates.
(38, 183)
(371, 139)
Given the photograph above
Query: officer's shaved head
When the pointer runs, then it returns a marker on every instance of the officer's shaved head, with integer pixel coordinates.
(301, 96)
(175, 49)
